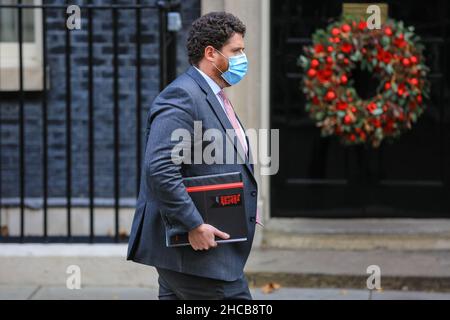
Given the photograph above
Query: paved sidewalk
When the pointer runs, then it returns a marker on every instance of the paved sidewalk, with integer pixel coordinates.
(413, 270)
(114, 293)
(105, 266)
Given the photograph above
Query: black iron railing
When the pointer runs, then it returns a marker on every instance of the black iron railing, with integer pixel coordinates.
(167, 63)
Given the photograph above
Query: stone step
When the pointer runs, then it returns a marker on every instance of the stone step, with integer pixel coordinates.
(285, 240)
(358, 234)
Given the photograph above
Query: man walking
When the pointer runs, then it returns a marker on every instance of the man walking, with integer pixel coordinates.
(205, 269)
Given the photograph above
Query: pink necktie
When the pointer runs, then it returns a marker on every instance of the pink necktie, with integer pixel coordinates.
(234, 122)
(232, 117)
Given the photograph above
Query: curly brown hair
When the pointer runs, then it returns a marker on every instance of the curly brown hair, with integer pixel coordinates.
(212, 29)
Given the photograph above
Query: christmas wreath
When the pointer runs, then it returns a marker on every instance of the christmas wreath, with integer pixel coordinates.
(392, 53)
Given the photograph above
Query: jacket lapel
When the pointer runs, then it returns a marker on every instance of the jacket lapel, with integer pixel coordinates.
(218, 111)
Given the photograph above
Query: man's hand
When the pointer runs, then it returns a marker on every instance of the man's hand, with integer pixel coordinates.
(203, 237)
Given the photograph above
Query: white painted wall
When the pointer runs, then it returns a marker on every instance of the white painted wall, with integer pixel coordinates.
(251, 96)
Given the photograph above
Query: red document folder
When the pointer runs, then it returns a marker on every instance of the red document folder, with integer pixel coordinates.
(220, 200)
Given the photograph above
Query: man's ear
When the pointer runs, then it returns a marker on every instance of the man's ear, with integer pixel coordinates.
(210, 53)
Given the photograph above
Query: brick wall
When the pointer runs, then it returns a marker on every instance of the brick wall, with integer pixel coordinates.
(103, 100)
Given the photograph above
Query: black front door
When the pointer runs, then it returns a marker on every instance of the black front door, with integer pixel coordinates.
(319, 177)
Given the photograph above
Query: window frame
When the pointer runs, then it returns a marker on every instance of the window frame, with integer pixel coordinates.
(32, 60)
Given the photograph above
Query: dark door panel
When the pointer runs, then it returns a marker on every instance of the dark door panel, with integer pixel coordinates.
(319, 177)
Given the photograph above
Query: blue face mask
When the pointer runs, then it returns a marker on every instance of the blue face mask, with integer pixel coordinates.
(237, 68)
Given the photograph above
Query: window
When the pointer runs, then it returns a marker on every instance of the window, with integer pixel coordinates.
(31, 47)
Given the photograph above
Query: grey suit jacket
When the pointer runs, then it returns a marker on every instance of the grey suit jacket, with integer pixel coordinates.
(163, 201)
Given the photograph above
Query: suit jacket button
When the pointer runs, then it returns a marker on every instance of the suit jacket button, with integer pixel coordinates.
(252, 219)
(253, 193)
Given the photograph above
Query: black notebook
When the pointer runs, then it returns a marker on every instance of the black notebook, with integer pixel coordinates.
(220, 200)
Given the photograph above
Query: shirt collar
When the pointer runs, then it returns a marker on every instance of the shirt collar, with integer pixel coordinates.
(213, 85)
